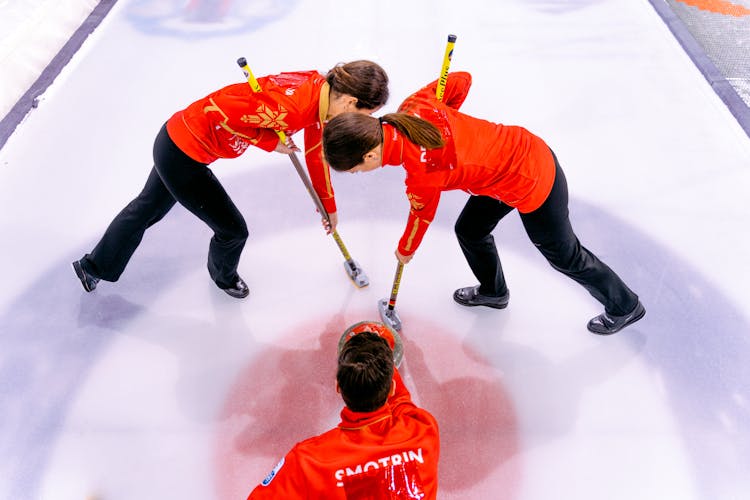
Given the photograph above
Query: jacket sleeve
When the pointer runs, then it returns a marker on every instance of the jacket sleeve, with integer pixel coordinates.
(320, 173)
(266, 139)
(286, 480)
(402, 405)
(424, 203)
(402, 395)
(253, 117)
(456, 88)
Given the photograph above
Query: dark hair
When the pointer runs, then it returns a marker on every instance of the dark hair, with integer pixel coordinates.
(365, 80)
(365, 372)
(349, 136)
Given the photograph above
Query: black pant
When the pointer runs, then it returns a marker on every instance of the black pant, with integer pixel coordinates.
(549, 229)
(175, 178)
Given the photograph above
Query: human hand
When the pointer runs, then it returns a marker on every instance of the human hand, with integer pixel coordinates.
(330, 224)
(286, 148)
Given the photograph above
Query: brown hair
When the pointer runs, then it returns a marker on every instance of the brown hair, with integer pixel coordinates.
(365, 80)
(349, 136)
(365, 372)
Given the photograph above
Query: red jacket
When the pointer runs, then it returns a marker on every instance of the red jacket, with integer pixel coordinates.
(508, 163)
(391, 453)
(225, 123)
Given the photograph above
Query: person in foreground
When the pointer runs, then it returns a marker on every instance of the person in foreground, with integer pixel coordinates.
(384, 446)
(223, 125)
(502, 168)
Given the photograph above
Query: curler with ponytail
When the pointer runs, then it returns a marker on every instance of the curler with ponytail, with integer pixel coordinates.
(348, 137)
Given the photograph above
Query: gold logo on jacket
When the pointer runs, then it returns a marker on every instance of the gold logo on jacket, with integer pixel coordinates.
(415, 202)
(267, 118)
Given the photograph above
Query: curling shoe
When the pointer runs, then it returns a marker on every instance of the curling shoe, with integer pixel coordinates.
(239, 290)
(470, 296)
(607, 324)
(87, 280)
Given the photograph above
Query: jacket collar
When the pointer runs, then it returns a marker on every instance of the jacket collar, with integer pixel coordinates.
(393, 146)
(353, 420)
(325, 93)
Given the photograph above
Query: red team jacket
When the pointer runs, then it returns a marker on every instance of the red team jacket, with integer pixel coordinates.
(508, 163)
(225, 123)
(391, 453)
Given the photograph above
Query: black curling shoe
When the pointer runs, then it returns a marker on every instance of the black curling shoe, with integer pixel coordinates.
(607, 324)
(239, 290)
(87, 281)
(470, 296)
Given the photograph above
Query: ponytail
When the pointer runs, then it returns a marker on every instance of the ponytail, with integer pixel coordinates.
(348, 137)
(417, 130)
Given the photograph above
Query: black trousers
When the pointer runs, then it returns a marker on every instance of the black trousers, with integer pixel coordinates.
(175, 178)
(550, 230)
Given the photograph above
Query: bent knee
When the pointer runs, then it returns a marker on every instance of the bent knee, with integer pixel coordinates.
(562, 256)
(466, 231)
(236, 232)
(242, 232)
